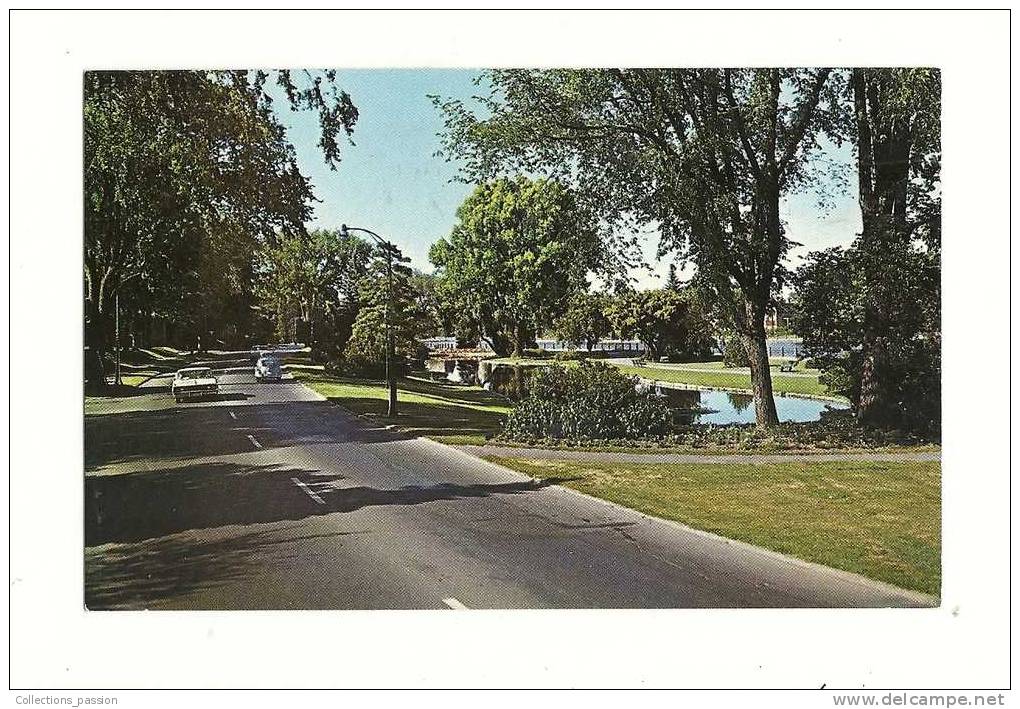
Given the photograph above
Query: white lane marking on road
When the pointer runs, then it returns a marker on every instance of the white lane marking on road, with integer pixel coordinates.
(253, 441)
(232, 415)
(310, 491)
(455, 604)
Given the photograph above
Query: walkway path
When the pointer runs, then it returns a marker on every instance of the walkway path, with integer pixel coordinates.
(681, 458)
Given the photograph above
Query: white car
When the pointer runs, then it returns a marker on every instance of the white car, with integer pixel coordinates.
(268, 369)
(194, 383)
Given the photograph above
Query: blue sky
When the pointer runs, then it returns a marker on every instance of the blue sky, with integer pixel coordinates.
(391, 182)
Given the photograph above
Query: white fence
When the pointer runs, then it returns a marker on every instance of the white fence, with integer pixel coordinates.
(438, 344)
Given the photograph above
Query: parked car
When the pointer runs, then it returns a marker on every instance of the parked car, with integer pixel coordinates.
(268, 369)
(194, 383)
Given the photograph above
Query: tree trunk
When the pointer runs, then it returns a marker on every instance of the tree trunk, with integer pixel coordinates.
(869, 403)
(883, 171)
(499, 343)
(518, 340)
(95, 341)
(761, 376)
(522, 338)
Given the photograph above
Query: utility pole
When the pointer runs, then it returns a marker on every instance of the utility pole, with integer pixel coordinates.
(116, 329)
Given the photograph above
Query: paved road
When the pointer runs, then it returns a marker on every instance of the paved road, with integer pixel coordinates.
(273, 499)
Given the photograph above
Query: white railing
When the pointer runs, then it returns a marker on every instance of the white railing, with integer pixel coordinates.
(439, 344)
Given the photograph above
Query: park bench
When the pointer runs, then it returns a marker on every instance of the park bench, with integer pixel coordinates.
(788, 367)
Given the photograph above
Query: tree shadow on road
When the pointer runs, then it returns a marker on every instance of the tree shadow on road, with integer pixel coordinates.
(143, 574)
(163, 534)
(195, 431)
(137, 506)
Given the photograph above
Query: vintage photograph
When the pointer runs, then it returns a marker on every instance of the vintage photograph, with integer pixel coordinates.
(515, 338)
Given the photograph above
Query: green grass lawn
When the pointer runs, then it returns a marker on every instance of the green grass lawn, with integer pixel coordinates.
(719, 378)
(873, 518)
(774, 362)
(453, 414)
(722, 379)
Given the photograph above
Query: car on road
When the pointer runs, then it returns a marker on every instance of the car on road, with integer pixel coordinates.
(268, 369)
(194, 383)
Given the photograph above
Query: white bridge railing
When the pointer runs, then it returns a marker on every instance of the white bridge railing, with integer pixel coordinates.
(439, 344)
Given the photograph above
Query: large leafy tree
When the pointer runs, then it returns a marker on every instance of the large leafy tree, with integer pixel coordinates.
(835, 292)
(519, 249)
(870, 314)
(173, 159)
(391, 304)
(666, 321)
(314, 279)
(897, 122)
(703, 155)
(584, 322)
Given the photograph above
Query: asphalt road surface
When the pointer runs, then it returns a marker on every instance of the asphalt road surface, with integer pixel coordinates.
(271, 498)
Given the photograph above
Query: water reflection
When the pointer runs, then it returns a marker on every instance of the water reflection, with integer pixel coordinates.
(720, 407)
(739, 402)
(458, 371)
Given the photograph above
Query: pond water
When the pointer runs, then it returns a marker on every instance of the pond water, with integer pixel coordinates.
(709, 406)
(691, 405)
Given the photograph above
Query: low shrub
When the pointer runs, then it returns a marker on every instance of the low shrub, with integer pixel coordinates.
(536, 353)
(836, 430)
(577, 355)
(366, 364)
(587, 402)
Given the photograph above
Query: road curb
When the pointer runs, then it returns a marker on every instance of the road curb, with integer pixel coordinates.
(922, 599)
(639, 457)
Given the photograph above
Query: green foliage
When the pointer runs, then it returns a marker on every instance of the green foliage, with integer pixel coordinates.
(314, 278)
(589, 401)
(391, 307)
(184, 171)
(518, 251)
(835, 431)
(668, 322)
(734, 351)
(870, 314)
(835, 290)
(584, 322)
(702, 155)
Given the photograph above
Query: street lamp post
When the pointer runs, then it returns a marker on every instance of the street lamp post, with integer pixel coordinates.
(391, 379)
(116, 329)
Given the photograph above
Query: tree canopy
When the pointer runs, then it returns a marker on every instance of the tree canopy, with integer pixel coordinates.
(314, 279)
(184, 167)
(584, 321)
(703, 155)
(667, 321)
(519, 249)
(390, 302)
(870, 314)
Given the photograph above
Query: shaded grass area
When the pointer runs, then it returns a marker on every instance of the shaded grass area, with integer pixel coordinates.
(459, 415)
(877, 519)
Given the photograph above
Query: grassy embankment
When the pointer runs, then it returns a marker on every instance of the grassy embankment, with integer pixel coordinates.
(709, 375)
(877, 519)
(458, 415)
(466, 415)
